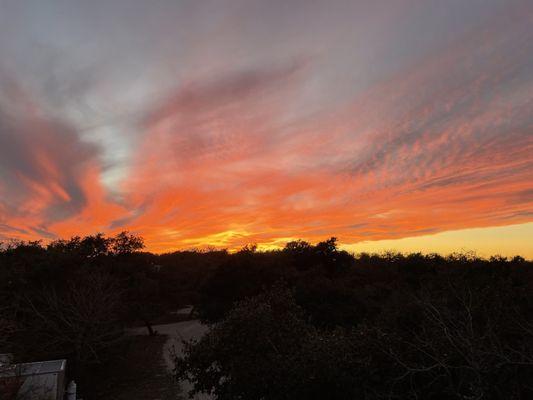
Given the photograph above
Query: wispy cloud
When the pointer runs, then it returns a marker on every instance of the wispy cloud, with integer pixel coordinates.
(42, 161)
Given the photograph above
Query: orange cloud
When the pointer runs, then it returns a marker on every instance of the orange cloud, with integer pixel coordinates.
(444, 145)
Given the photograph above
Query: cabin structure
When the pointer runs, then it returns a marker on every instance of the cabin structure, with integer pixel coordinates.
(43, 380)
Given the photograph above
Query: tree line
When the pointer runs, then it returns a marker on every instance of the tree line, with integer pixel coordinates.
(306, 321)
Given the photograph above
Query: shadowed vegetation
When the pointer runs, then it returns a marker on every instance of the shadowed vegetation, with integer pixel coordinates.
(303, 322)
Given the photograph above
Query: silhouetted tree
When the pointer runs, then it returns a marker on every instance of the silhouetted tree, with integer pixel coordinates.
(81, 320)
(126, 243)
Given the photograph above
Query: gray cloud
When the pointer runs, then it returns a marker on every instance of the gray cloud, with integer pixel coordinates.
(41, 158)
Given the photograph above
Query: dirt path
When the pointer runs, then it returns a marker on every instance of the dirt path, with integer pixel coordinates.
(138, 373)
(177, 332)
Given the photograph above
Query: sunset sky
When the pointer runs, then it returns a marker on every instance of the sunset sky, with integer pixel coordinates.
(401, 124)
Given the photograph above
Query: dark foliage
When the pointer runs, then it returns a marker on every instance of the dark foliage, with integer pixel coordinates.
(369, 327)
(459, 343)
(305, 322)
(71, 298)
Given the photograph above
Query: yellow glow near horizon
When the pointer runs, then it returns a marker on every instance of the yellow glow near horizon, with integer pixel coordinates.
(503, 240)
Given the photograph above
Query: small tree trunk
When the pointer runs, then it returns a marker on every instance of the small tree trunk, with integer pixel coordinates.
(151, 331)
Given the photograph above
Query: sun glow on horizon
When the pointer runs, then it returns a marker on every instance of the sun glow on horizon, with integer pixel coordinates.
(507, 241)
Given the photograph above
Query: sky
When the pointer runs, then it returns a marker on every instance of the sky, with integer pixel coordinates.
(392, 125)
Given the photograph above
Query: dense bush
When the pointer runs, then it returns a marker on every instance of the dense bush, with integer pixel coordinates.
(466, 343)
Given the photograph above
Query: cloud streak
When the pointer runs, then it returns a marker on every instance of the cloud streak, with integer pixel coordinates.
(42, 161)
